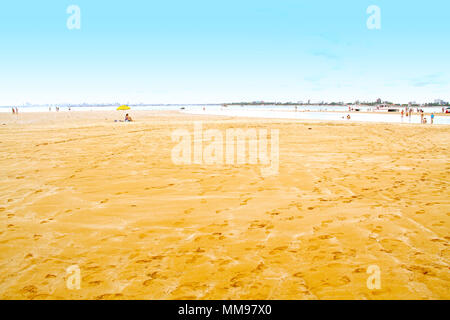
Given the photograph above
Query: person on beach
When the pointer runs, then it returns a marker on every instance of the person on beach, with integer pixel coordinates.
(348, 117)
(432, 118)
(421, 116)
(13, 111)
(17, 110)
(128, 118)
(403, 112)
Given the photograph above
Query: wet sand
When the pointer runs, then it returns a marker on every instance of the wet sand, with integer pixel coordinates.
(79, 189)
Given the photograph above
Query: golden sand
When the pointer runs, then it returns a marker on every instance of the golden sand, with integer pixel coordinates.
(80, 189)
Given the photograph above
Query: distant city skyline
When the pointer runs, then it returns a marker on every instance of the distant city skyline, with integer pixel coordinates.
(202, 52)
(436, 102)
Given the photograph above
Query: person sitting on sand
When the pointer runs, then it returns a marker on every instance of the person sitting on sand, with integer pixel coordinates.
(128, 118)
(348, 117)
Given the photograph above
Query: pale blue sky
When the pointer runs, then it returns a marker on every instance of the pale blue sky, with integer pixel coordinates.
(220, 51)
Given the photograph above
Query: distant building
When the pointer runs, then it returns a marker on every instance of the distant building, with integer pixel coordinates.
(440, 102)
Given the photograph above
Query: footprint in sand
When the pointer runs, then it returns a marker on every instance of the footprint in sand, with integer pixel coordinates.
(29, 290)
(326, 223)
(377, 229)
(147, 282)
(419, 269)
(261, 267)
(359, 270)
(257, 224)
(109, 296)
(282, 248)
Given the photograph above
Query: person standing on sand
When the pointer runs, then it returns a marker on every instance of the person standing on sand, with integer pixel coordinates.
(403, 112)
(421, 116)
(13, 111)
(17, 110)
(432, 118)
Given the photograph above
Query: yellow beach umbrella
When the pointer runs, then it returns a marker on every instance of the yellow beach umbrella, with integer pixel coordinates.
(123, 107)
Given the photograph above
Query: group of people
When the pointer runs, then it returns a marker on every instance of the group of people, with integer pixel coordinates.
(408, 112)
(15, 110)
(423, 119)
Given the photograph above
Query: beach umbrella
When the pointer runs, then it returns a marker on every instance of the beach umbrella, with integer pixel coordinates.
(123, 108)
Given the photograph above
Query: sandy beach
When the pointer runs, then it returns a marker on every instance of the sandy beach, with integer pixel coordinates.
(79, 189)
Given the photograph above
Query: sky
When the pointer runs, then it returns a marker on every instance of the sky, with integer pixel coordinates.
(204, 51)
